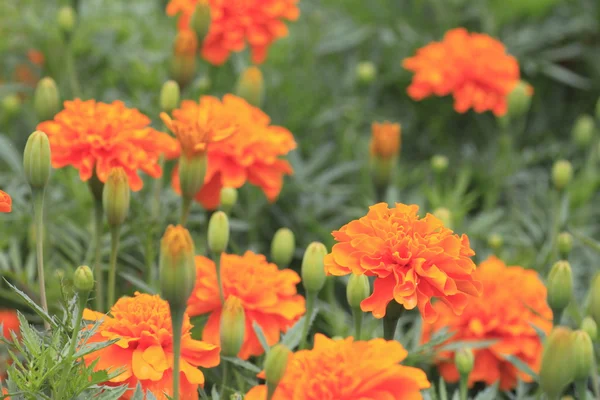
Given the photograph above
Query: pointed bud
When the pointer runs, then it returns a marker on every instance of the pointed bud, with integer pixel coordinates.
(200, 21)
(444, 215)
(582, 356)
(555, 375)
(229, 198)
(589, 326)
(464, 359)
(177, 267)
(495, 241)
(116, 197)
(439, 163)
(519, 99)
(562, 173)
(192, 172)
(276, 364)
(183, 63)
(366, 72)
(66, 19)
(83, 279)
(36, 160)
(594, 298)
(169, 96)
(357, 290)
(283, 247)
(313, 267)
(233, 327)
(583, 130)
(565, 244)
(560, 286)
(218, 232)
(46, 101)
(250, 86)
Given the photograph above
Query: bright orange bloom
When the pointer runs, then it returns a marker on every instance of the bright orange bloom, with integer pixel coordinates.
(267, 294)
(235, 23)
(9, 322)
(145, 349)
(385, 139)
(474, 67)
(414, 259)
(348, 369)
(5, 202)
(97, 137)
(251, 154)
(513, 301)
(36, 57)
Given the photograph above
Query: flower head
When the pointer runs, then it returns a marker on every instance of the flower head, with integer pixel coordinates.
(234, 24)
(145, 347)
(385, 139)
(348, 369)
(473, 67)
(413, 259)
(267, 294)
(95, 137)
(512, 306)
(5, 202)
(251, 154)
(10, 322)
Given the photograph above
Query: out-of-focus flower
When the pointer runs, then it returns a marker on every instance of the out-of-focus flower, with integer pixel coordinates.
(267, 294)
(385, 139)
(513, 302)
(234, 24)
(36, 57)
(5, 202)
(145, 348)
(413, 259)
(10, 322)
(96, 137)
(473, 67)
(347, 369)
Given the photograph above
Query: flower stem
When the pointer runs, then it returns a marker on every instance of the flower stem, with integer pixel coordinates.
(225, 380)
(271, 391)
(177, 321)
(219, 279)
(185, 210)
(310, 305)
(557, 316)
(112, 272)
(154, 218)
(98, 221)
(393, 313)
(358, 318)
(38, 211)
(581, 389)
(463, 386)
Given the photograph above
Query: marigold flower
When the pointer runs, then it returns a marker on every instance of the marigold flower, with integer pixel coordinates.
(347, 369)
(10, 322)
(251, 154)
(267, 294)
(5, 202)
(473, 67)
(97, 137)
(145, 347)
(413, 259)
(513, 302)
(233, 24)
(385, 139)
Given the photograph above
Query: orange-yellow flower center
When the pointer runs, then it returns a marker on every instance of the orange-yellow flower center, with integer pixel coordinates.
(177, 241)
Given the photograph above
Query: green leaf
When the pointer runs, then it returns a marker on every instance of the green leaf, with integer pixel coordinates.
(261, 336)
(293, 336)
(521, 366)
(92, 347)
(45, 316)
(470, 344)
(214, 393)
(243, 364)
(489, 393)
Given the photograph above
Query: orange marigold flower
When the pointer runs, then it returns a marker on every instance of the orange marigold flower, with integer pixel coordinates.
(97, 137)
(348, 369)
(5, 202)
(251, 154)
(513, 302)
(10, 322)
(267, 294)
(413, 259)
(474, 67)
(233, 24)
(145, 348)
(385, 139)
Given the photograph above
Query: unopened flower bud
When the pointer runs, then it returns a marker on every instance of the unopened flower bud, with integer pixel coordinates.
(366, 72)
(439, 163)
(313, 267)
(192, 171)
(177, 267)
(583, 130)
(519, 100)
(560, 286)
(233, 326)
(183, 63)
(36, 160)
(229, 198)
(283, 246)
(555, 374)
(594, 298)
(83, 279)
(169, 96)
(495, 241)
(582, 356)
(218, 232)
(562, 173)
(46, 101)
(66, 19)
(357, 290)
(250, 86)
(276, 364)
(565, 244)
(11, 104)
(464, 359)
(444, 215)
(589, 326)
(200, 21)
(116, 197)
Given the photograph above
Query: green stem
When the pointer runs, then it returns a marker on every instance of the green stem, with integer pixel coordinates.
(463, 387)
(154, 217)
(393, 312)
(112, 272)
(271, 391)
(358, 318)
(310, 305)
(557, 317)
(38, 211)
(98, 222)
(185, 210)
(225, 381)
(82, 301)
(177, 321)
(219, 278)
(595, 387)
(70, 70)
(581, 389)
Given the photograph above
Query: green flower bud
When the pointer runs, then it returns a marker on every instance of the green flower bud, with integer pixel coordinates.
(560, 286)
(594, 298)
(444, 215)
(464, 359)
(218, 232)
(276, 363)
(66, 19)
(555, 374)
(565, 244)
(169, 96)
(177, 267)
(46, 101)
(582, 356)
(439, 163)
(191, 174)
(495, 241)
(36, 160)
(562, 173)
(233, 327)
(519, 100)
(251, 86)
(229, 198)
(203, 84)
(313, 267)
(183, 63)
(116, 197)
(583, 130)
(589, 326)
(11, 104)
(200, 21)
(83, 279)
(283, 246)
(357, 290)
(366, 72)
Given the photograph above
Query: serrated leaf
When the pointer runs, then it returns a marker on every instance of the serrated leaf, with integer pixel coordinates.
(293, 336)
(92, 347)
(43, 314)
(261, 336)
(214, 393)
(242, 363)
(489, 393)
